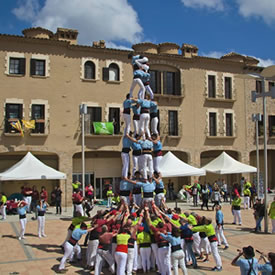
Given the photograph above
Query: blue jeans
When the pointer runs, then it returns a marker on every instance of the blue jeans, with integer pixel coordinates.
(191, 253)
(258, 223)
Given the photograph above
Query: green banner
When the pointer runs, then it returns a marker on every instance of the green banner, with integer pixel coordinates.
(103, 128)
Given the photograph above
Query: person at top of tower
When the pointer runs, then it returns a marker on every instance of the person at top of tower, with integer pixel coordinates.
(138, 62)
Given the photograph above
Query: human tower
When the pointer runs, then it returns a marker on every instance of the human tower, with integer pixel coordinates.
(141, 232)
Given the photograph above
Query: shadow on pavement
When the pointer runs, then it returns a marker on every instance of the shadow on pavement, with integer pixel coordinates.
(10, 236)
(46, 247)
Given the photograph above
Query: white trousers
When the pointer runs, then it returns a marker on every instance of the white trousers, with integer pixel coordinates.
(144, 124)
(146, 163)
(178, 260)
(125, 164)
(136, 124)
(23, 223)
(69, 252)
(135, 160)
(196, 243)
(164, 260)
(237, 216)
(145, 254)
(41, 226)
(3, 212)
(154, 125)
(79, 208)
(91, 252)
(28, 200)
(205, 245)
(127, 120)
(220, 236)
(273, 225)
(141, 93)
(137, 198)
(149, 91)
(216, 255)
(154, 256)
(246, 202)
(121, 260)
(156, 163)
(132, 259)
(101, 257)
(158, 199)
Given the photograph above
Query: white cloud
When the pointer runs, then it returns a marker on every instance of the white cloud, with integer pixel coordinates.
(112, 45)
(214, 54)
(264, 9)
(262, 62)
(217, 5)
(27, 10)
(110, 20)
(265, 62)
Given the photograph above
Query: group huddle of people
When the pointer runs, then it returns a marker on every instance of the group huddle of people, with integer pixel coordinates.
(147, 237)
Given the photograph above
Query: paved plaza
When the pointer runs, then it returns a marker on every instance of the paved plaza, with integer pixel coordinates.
(42, 256)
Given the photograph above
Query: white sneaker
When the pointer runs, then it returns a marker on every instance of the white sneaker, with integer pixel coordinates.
(44, 235)
(19, 238)
(23, 237)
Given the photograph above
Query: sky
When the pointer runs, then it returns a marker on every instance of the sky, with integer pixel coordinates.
(216, 27)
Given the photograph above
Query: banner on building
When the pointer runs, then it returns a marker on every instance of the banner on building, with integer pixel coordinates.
(29, 124)
(17, 125)
(103, 128)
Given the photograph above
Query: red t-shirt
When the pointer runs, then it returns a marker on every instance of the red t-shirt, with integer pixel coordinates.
(44, 195)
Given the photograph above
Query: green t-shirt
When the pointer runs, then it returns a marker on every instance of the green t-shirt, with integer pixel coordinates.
(143, 237)
(3, 199)
(208, 229)
(271, 212)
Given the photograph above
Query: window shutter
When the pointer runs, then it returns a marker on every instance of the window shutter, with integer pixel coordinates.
(20, 111)
(177, 84)
(22, 66)
(158, 82)
(32, 66)
(164, 82)
(105, 74)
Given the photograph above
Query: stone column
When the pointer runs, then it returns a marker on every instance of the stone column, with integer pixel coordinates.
(66, 166)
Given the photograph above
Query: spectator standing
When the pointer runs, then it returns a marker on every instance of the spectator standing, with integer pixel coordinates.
(3, 206)
(170, 190)
(195, 194)
(44, 194)
(225, 191)
(58, 197)
(204, 196)
(215, 197)
(271, 214)
(89, 192)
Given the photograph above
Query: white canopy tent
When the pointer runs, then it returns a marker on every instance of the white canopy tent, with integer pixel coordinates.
(224, 164)
(171, 166)
(31, 168)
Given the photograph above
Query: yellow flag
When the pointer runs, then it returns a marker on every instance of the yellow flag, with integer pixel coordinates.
(17, 125)
(29, 124)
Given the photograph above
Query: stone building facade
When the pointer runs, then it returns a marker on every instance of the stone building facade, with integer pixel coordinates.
(204, 105)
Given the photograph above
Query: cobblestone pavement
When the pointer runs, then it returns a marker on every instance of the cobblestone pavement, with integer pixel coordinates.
(42, 256)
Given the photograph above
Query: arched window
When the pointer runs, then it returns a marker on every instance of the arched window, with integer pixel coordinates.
(113, 72)
(89, 70)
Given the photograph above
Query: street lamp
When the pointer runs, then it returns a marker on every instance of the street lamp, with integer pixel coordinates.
(266, 74)
(257, 118)
(83, 112)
